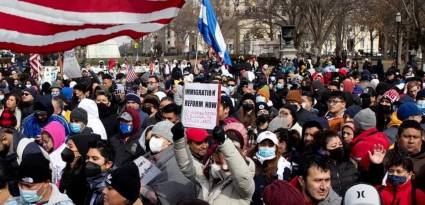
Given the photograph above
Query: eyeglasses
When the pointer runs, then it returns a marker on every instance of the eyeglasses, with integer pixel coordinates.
(334, 101)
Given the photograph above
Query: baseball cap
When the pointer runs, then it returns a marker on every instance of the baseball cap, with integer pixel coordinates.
(267, 135)
(362, 194)
(196, 134)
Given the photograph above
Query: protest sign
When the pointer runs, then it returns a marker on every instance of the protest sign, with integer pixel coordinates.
(50, 74)
(200, 105)
(71, 68)
(147, 170)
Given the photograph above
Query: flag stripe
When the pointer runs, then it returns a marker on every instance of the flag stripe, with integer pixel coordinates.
(13, 23)
(59, 17)
(136, 6)
(41, 26)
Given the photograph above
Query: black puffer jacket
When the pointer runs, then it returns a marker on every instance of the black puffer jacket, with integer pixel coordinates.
(343, 175)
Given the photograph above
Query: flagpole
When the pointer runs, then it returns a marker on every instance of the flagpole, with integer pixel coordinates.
(196, 50)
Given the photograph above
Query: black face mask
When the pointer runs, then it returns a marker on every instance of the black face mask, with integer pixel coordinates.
(102, 107)
(385, 109)
(67, 155)
(92, 169)
(263, 118)
(337, 154)
(248, 106)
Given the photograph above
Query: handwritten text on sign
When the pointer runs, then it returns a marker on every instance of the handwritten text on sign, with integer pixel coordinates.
(200, 105)
(147, 170)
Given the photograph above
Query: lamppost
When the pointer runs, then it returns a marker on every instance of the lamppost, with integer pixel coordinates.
(398, 21)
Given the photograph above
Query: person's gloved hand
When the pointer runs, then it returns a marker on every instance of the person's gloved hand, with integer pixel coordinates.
(218, 134)
(178, 131)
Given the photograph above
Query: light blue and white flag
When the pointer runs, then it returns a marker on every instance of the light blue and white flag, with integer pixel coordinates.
(210, 30)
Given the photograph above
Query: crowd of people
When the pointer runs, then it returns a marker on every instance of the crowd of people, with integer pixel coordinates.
(294, 133)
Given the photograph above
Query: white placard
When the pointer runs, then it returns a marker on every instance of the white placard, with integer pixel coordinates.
(200, 105)
(71, 68)
(147, 170)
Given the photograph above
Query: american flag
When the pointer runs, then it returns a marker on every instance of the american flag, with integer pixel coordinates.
(47, 26)
(131, 74)
(35, 64)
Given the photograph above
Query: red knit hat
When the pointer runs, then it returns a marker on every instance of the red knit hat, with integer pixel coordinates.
(282, 193)
(196, 134)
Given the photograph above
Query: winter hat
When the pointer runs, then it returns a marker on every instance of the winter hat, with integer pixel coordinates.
(32, 91)
(348, 85)
(362, 194)
(163, 129)
(34, 162)
(352, 110)
(276, 123)
(349, 124)
(261, 106)
(294, 95)
(267, 135)
(366, 119)
(196, 134)
(82, 142)
(240, 128)
(281, 192)
(408, 109)
(133, 97)
(392, 95)
(79, 114)
(119, 178)
(67, 93)
(374, 83)
(265, 92)
(56, 132)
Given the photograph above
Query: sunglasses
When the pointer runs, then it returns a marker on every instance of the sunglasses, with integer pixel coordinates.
(25, 94)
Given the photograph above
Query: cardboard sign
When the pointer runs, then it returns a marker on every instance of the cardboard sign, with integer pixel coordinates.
(71, 68)
(147, 170)
(200, 105)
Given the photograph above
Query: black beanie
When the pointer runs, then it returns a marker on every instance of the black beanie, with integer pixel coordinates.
(79, 114)
(119, 180)
(82, 142)
(34, 166)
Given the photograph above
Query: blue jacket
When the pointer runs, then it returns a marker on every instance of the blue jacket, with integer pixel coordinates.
(32, 128)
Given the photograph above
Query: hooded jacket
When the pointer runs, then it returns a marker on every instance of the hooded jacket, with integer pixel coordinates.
(57, 133)
(234, 190)
(31, 127)
(93, 117)
(364, 143)
(127, 147)
(109, 118)
(400, 195)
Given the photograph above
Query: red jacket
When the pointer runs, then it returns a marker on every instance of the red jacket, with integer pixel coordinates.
(402, 195)
(365, 142)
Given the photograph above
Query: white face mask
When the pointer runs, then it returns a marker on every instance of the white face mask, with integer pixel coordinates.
(218, 173)
(156, 144)
(304, 105)
(1, 97)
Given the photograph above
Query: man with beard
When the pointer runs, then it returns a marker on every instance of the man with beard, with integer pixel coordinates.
(43, 114)
(384, 111)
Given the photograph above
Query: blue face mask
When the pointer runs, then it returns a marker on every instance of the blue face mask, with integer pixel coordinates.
(75, 127)
(266, 152)
(396, 180)
(29, 196)
(125, 128)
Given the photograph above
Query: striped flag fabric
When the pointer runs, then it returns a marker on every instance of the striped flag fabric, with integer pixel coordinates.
(35, 64)
(45, 26)
(131, 75)
(210, 30)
